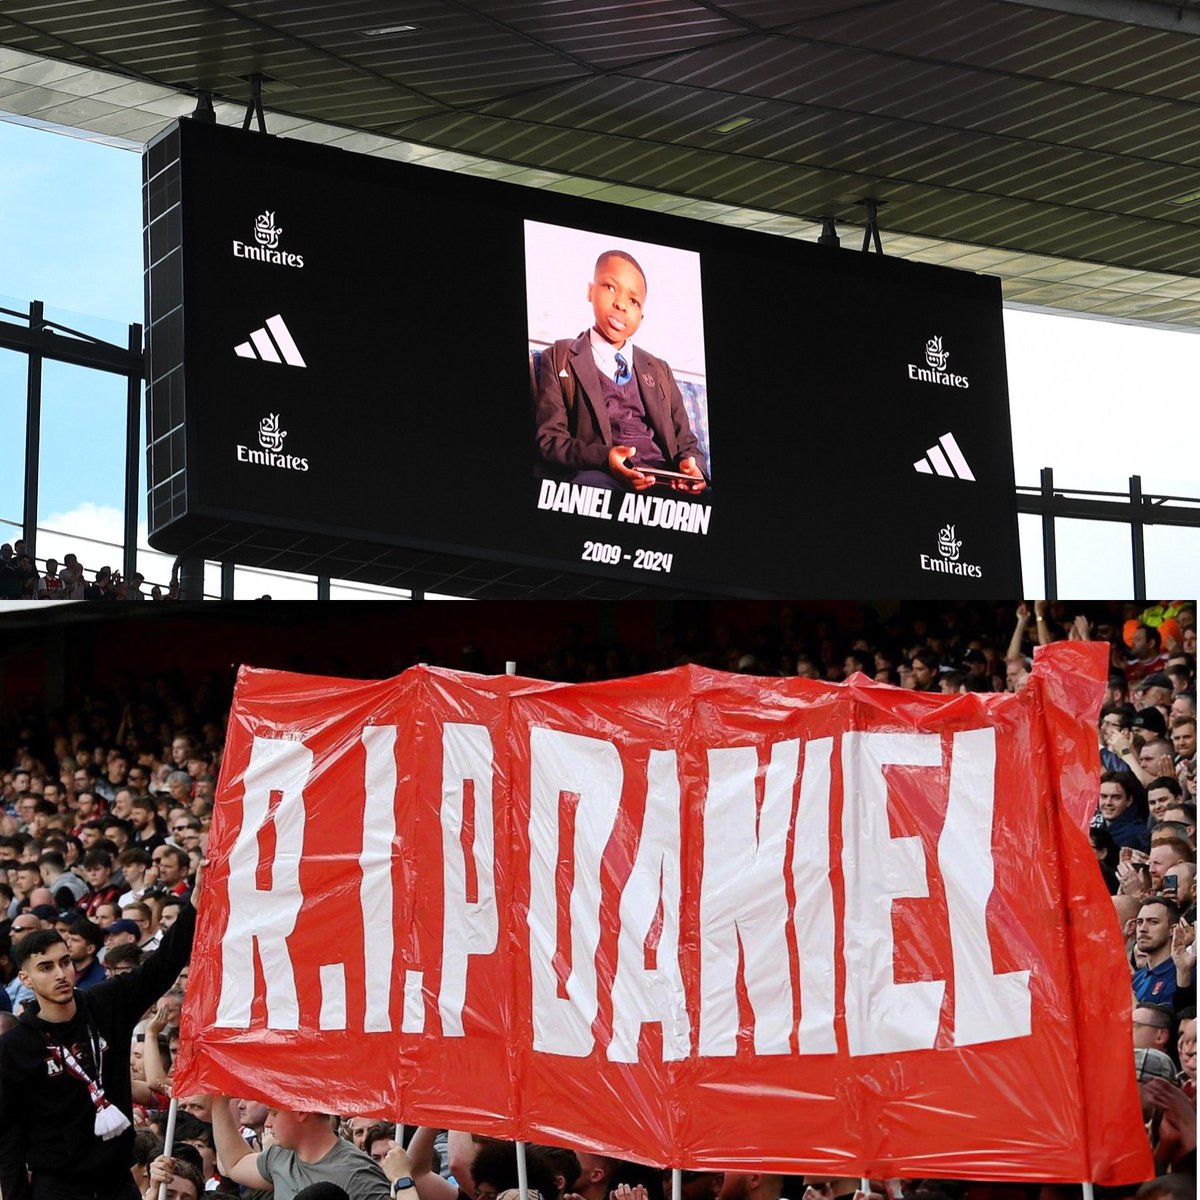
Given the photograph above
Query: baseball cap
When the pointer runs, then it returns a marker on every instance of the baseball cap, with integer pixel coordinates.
(123, 926)
(1155, 679)
(1149, 718)
(1150, 1063)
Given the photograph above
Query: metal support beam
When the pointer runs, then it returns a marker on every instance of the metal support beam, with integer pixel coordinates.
(191, 578)
(133, 425)
(1049, 547)
(322, 587)
(254, 108)
(33, 433)
(39, 338)
(227, 577)
(871, 233)
(1137, 532)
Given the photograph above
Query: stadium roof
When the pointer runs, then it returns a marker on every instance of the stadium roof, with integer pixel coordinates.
(1049, 142)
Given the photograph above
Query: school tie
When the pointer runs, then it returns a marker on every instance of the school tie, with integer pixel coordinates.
(622, 376)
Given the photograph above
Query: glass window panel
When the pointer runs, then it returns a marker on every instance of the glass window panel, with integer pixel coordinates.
(1095, 559)
(81, 469)
(13, 386)
(1071, 381)
(341, 589)
(1172, 562)
(1033, 573)
(252, 583)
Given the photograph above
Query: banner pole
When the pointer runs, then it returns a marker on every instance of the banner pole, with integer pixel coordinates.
(523, 1172)
(865, 1186)
(676, 1183)
(169, 1139)
(510, 668)
(1088, 1191)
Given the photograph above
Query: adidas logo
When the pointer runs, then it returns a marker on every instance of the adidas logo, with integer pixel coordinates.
(271, 344)
(946, 459)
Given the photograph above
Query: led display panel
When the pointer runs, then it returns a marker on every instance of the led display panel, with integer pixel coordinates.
(354, 359)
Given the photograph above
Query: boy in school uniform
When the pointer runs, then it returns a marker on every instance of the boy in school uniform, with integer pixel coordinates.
(605, 407)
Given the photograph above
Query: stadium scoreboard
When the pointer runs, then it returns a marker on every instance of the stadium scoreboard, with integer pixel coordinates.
(365, 368)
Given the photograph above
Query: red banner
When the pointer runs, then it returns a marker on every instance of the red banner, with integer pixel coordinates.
(691, 918)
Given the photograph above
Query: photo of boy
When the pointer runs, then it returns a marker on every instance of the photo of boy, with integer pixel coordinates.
(608, 413)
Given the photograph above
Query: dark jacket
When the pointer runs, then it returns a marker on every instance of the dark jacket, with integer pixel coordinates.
(573, 429)
(46, 1115)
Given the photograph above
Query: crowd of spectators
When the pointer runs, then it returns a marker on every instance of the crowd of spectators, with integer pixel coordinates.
(104, 817)
(20, 579)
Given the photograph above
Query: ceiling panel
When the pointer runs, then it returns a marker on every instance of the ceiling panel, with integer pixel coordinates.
(1047, 136)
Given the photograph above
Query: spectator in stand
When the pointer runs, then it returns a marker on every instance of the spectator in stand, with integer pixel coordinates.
(1156, 757)
(11, 584)
(118, 960)
(1154, 691)
(27, 573)
(121, 933)
(1153, 1027)
(183, 1181)
(170, 912)
(173, 866)
(1161, 794)
(51, 585)
(88, 807)
(148, 827)
(135, 866)
(1183, 735)
(84, 940)
(1184, 813)
(56, 1133)
(115, 772)
(1117, 813)
(305, 1151)
(1147, 654)
(1186, 1047)
(379, 1139)
(97, 870)
(72, 577)
(23, 879)
(1164, 856)
(925, 668)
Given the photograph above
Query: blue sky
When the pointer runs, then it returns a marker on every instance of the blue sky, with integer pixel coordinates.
(1095, 400)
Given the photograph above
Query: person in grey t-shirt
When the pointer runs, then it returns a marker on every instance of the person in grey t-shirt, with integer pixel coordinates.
(306, 1151)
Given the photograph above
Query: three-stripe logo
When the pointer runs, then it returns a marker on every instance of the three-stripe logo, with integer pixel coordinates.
(273, 343)
(944, 458)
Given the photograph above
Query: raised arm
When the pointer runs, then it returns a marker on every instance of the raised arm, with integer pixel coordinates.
(398, 1163)
(152, 1059)
(234, 1156)
(420, 1150)
(1015, 646)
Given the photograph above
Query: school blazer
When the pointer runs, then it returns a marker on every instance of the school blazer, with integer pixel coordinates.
(573, 429)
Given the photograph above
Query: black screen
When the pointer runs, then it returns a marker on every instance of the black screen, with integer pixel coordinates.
(357, 363)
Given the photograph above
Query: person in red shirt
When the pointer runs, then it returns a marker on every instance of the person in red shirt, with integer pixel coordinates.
(51, 586)
(1148, 654)
(97, 870)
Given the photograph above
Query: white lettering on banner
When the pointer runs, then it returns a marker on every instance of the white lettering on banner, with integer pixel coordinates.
(375, 887)
(882, 1016)
(654, 994)
(268, 916)
(987, 1007)
(743, 899)
(471, 924)
(576, 784)
(575, 781)
(333, 995)
(813, 919)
